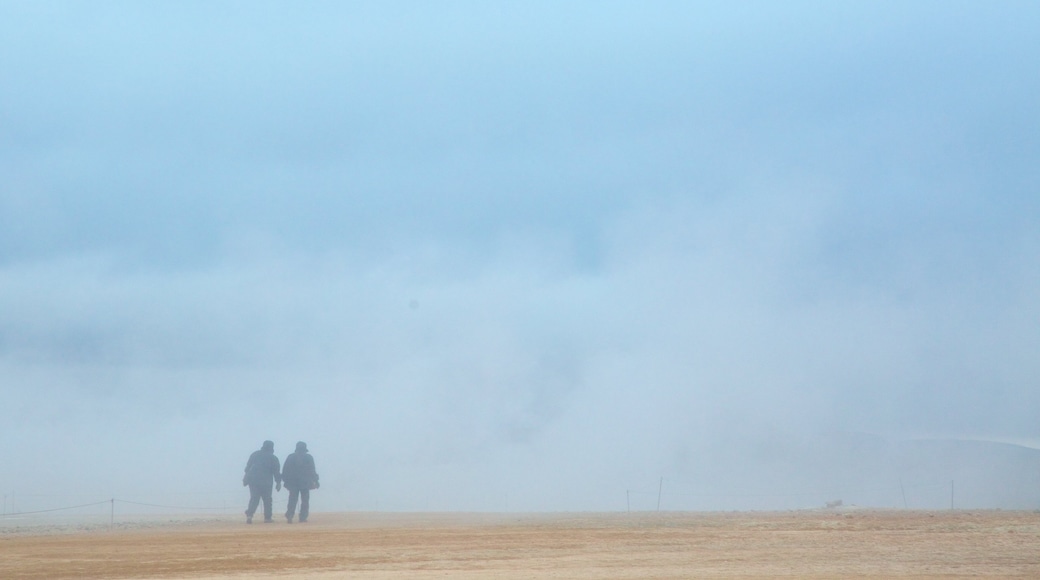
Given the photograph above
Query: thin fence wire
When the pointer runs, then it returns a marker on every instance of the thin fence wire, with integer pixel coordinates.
(845, 491)
(172, 507)
(60, 509)
(112, 503)
(675, 493)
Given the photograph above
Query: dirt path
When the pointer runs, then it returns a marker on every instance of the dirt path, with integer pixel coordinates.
(854, 544)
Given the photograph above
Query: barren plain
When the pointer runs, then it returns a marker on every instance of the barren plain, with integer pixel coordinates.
(847, 543)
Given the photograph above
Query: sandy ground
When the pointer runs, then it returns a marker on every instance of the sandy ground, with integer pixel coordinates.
(810, 544)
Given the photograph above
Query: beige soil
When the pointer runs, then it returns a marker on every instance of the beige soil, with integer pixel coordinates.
(821, 544)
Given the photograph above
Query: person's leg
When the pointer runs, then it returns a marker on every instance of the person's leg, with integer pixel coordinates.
(305, 504)
(291, 508)
(254, 501)
(268, 506)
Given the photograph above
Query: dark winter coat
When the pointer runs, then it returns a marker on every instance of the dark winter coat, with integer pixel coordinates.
(298, 471)
(262, 468)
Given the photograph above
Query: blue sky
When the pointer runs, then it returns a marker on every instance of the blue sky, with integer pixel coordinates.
(527, 254)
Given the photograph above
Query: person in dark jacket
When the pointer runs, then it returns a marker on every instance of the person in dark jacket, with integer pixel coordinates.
(300, 478)
(262, 472)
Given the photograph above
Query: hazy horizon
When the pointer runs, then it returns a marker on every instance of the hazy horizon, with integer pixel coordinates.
(520, 256)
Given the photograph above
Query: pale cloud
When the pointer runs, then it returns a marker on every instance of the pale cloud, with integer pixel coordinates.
(525, 258)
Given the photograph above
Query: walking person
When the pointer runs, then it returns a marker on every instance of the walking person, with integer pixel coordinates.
(262, 473)
(300, 478)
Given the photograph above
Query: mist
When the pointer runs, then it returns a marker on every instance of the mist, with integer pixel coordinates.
(601, 257)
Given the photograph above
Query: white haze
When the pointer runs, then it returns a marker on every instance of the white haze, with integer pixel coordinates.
(521, 258)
